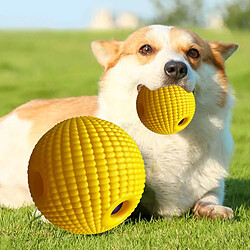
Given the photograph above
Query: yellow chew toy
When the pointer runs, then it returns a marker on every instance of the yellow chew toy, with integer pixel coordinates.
(166, 110)
(86, 175)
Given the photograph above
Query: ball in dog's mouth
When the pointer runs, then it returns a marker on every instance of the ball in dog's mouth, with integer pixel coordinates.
(167, 110)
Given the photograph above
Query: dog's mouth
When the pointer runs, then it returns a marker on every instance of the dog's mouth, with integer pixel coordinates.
(139, 87)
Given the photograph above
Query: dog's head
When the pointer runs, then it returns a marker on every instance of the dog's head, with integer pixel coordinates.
(158, 56)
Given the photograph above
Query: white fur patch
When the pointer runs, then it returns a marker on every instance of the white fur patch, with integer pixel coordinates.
(14, 156)
(161, 32)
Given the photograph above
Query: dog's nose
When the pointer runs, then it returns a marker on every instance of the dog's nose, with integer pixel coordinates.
(175, 69)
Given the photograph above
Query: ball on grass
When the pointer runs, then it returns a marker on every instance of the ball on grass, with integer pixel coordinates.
(86, 175)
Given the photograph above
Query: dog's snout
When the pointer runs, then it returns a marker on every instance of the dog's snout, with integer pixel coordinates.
(175, 69)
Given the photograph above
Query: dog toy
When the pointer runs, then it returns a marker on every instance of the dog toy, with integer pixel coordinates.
(86, 175)
(166, 110)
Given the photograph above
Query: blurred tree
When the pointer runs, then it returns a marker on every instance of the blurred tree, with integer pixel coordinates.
(180, 12)
(238, 14)
(194, 13)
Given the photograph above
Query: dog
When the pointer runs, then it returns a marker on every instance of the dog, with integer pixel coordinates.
(185, 170)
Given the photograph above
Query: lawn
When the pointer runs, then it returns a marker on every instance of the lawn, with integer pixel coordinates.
(54, 64)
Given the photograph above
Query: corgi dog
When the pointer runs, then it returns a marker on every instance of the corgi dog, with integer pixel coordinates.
(185, 170)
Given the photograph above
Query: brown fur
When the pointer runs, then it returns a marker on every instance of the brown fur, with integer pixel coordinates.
(108, 53)
(180, 44)
(214, 53)
(135, 41)
(47, 113)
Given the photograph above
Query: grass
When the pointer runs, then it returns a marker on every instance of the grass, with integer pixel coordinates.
(44, 64)
(184, 233)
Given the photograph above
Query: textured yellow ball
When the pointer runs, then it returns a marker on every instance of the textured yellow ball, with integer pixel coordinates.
(166, 110)
(86, 175)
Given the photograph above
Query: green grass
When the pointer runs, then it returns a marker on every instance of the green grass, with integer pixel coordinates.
(47, 64)
(183, 233)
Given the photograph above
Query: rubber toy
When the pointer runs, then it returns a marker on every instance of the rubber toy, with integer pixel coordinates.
(86, 175)
(167, 110)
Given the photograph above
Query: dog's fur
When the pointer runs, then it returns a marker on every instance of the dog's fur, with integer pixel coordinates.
(184, 170)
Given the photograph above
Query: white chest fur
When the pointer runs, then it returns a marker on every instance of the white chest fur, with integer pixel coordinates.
(15, 150)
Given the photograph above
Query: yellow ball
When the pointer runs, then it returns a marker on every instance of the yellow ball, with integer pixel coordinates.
(166, 110)
(86, 175)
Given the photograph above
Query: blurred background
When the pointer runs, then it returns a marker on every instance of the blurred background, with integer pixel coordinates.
(45, 45)
(110, 14)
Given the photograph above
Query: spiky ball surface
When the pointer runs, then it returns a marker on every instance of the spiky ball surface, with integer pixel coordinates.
(166, 110)
(86, 175)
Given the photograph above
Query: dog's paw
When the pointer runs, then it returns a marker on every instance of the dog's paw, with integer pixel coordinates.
(212, 211)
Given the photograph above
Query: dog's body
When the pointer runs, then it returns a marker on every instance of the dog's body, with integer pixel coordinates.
(183, 170)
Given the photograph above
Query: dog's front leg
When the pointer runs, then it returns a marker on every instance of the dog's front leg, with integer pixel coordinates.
(210, 205)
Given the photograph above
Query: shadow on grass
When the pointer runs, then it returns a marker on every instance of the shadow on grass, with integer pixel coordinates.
(140, 213)
(237, 193)
(8, 88)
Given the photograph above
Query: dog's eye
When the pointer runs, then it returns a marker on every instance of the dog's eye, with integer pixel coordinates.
(193, 53)
(146, 50)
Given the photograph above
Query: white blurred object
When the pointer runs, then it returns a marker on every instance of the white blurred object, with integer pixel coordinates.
(102, 19)
(127, 20)
(215, 21)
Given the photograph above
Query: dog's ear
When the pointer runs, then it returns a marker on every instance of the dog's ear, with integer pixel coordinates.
(107, 53)
(225, 49)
